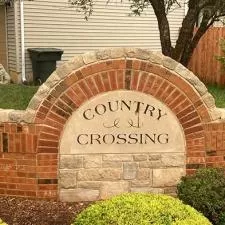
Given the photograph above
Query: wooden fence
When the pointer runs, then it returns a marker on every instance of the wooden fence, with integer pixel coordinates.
(203, 62)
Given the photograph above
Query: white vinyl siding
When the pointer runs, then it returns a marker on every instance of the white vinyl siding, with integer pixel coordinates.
(11, 39)
(14, 39)
(3, 34)
(56, 24)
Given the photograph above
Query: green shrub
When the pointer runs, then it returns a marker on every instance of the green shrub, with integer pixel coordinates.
(2, 223)
(140, 209)
(205, 191)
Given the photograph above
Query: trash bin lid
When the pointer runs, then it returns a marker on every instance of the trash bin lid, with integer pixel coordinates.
(42, 50)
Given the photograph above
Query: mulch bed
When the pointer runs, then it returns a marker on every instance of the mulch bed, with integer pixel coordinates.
(20, 211)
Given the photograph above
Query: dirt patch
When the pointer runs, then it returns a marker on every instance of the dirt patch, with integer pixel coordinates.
(20, 211)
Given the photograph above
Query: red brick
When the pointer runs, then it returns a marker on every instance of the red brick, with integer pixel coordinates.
(47, 149)
(185, 111)
(120, 79)
(40, 115)
(119, 64)
(156, 85)
(167, 92)
(161, 89)
(215, 159)
(150, 81)
(203, 113)
(57, 118)
(60, 112)
(91, 85)
(13, 128)
(70, 80)
(177, 101)
(43, 109)
(106, 81)
(54, 124)
(3, 185)
(195, 160)
(193, 129)
(7, 161)
(48, 143)
(47, 162)
(69, 102)
(174, 94)
(191, 123)
(26, 162)
(83, 86)
(47, 169)
(219, 143)
(79, 93)
(15, 192)
(134, 80)
(47, 156)
(136, 64)
(72, 95)
(47, 194)
(26, 187)
(51, 99)
(47, 104)
(143, 79)
(7, 128)
(11, 143)
(189, 117)
(2, 191)
(99, 83)
(190, 171)
(195, 135)
(196, 154)
(30, 193)
(63, 106)
(86, 71)
(158, 70)
(47, 187)
(44, 175)
(47, 136)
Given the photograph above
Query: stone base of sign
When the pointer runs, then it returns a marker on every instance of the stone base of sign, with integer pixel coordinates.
(33, 165)
(102, 176)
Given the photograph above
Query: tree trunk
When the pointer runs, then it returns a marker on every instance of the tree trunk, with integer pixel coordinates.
(185, 34)
(163, 25)
(164, 31)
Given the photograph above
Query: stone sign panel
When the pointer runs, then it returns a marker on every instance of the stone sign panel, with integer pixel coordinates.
(122, 122)
(120, 141)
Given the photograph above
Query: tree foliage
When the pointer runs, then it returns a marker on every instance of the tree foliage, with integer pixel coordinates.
(188, 38)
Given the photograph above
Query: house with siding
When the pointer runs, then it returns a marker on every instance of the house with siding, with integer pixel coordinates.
(55, 23)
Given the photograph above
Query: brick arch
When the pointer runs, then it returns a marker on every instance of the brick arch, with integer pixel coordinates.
(144, 72)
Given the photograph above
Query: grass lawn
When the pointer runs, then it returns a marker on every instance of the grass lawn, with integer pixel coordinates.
(14, 96)
(219, 95)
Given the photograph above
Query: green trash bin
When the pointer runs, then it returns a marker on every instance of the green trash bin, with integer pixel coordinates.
(43, 62)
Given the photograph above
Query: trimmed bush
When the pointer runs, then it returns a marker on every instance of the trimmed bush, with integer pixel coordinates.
(140, 209)
(205, 191)
(2, 223)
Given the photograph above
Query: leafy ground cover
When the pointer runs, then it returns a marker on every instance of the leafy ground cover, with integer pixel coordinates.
(17, 96)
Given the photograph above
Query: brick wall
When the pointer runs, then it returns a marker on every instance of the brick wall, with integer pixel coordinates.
(29, 140)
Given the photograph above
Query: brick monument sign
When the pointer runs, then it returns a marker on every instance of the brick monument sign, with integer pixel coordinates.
(108, 122)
